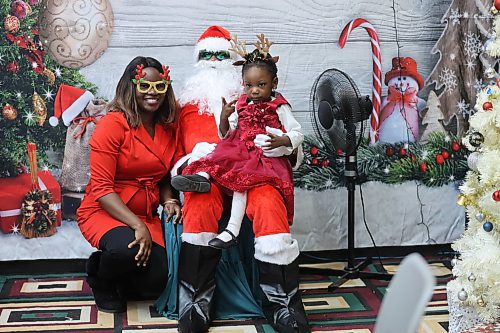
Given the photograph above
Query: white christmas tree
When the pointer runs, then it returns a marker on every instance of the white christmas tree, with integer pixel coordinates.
(433, 116)
(477, 270)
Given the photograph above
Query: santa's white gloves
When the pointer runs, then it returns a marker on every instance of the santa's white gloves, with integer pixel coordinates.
(261, 142)
(201, 149)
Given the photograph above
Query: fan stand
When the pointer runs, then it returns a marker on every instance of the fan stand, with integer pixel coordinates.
(352, 270)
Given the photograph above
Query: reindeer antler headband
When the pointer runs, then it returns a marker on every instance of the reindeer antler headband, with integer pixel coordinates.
(139, 76)
(261, 52)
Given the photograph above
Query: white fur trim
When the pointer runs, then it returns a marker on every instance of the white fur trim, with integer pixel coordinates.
(213, 44)
(76, 108)
(177, 165)
(201, 238)
(280, 249)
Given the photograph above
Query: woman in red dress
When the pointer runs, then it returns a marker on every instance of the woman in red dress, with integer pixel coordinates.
(132, 150)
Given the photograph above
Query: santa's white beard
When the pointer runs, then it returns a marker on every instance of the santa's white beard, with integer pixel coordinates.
(211, 81)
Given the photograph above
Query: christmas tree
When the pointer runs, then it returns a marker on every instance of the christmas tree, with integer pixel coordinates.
(464, 70)
(29, 81)
(477, 270)
(433, 116)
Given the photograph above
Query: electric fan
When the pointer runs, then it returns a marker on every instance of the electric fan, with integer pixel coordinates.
(339, 116)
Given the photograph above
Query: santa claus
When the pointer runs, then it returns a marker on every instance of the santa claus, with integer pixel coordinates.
(276, 251)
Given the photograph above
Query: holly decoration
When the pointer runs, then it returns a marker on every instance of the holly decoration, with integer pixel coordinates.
(389, 151)
(314, 151)
(11, 24)
(423, 167)
(445, 154)
(314, 161)
(455, 146)
(402, 152)
(325, 163)
(39, 220)
(439, 159)
(496, 195)
(8, 112)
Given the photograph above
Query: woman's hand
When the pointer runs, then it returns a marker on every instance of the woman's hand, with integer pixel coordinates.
(143, 239)
(172, 207)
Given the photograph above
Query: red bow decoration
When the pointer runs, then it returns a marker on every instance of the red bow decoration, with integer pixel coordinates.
(83, 121)
(31, 49)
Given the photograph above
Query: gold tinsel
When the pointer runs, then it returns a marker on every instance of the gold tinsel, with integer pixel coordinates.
(39, 108)
(50, 75)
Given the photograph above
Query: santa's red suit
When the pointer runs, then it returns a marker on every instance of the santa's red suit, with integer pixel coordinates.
(275, 250)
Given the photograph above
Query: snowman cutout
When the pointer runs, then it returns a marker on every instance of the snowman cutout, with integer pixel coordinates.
(401, 108)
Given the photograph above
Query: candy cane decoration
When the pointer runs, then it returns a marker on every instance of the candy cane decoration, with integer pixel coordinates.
(377, 70)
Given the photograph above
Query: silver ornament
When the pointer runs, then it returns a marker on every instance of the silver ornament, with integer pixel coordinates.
(454, 262)
(472, 277)
(462, 295)
(472, 161)
(480, 217)
(489, 72)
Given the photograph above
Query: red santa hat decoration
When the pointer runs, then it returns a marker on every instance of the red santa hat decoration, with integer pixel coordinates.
(404, 66)
(70, 102)
(215, 38)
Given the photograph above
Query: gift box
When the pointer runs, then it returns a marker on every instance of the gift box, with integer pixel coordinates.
(12, 193)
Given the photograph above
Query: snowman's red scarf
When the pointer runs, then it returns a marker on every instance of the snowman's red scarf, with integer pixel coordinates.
(406, 101)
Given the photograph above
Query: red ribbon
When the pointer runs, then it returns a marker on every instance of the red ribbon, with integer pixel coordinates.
(151, 197)
(83, 121)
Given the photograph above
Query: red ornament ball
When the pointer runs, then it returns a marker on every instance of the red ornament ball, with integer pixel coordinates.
(423, 167)
(496, 4)
(314, 150)
(496, 195)
(402, 152)
(325, 163)
(439, 159)
(340, 152)
(314, 161)
(19, 8)
(455, 146)
(11, 24)
(445, 154)
(12, 67)
(389, 151)
(487, 106)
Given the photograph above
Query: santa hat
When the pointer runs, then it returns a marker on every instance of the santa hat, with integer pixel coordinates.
(404, 66)
(215, 38)
(70, 102)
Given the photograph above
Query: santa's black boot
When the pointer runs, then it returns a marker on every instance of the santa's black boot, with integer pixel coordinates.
(282, 303)
(196, 287)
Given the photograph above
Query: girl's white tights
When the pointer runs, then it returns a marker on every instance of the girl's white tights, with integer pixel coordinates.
(238, 207)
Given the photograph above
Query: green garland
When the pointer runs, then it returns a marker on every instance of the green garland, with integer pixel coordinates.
(17, 88)
(440, 161)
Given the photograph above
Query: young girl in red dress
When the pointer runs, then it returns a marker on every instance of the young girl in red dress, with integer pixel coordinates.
(256, 139)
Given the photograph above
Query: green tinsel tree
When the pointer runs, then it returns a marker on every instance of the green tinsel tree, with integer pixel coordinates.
(440, 161)
(29, 81)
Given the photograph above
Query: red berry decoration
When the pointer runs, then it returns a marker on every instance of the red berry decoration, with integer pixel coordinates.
(445, 154)
(439, 159)
(487, 106)
(496, 4)
(402, 152)
(423, 167)
(314, 161)
(413, 158)
(389, 151)
(340, 151)
(455, 146)
(12, 67)
(325, 163)
(496, 195)
(314, 151)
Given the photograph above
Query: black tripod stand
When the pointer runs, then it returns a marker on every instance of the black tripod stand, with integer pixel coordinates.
(352, 270)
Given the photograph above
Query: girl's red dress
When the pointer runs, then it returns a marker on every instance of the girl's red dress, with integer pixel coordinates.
(237, 164)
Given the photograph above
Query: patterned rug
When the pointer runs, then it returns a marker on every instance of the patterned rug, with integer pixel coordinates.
(64, 303)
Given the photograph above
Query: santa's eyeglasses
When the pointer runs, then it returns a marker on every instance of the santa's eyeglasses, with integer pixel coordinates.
(219, 55)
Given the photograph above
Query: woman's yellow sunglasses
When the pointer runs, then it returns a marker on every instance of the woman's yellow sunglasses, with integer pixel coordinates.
(144, 86)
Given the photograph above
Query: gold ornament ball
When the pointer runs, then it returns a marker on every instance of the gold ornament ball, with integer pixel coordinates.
(76, 34)
(11, 24)
(481, 302)
(8, 112)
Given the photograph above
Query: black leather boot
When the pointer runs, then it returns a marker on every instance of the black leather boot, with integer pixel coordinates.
(282, 304)
(196, 287)
(105, 294)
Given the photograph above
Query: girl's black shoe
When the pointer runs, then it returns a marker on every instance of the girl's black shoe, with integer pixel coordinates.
(190, 183)
(218, 243)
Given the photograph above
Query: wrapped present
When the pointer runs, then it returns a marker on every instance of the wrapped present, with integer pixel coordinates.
(461, 317)
(13, 192)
